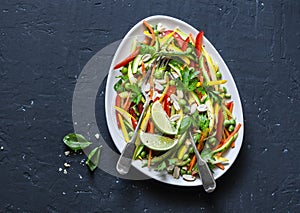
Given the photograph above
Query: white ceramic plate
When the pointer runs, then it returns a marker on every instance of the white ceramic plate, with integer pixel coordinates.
(123, 51)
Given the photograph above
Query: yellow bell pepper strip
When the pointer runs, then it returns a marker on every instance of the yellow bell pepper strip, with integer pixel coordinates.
(210, 114)
(218, 82)
(210, 61)
(164, 93)
(227, 111)
(144, 123)
(173, 48)
(166, 38)
(128, 117)
(123, 128)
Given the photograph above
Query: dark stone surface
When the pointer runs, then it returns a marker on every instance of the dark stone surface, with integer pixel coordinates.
(45, 44)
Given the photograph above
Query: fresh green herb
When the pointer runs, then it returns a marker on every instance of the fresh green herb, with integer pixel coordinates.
(189, 78)
(136, 95)
(203, 122)
(118, 86)
(197, 137)
(93, 158)
(185, 124)
(146, 49)
(76, 141)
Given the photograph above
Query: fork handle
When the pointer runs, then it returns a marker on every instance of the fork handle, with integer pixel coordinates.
(124, 162)
(208, 181)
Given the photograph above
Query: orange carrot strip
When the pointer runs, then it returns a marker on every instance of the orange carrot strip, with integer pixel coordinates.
(221, 166)
(232, 144)
(149, 157)
(226, 133)
(199, 147)
(230, 136)
(231, 107)
(127, 103)
(192, 38)
(143, 69)
(151, 31)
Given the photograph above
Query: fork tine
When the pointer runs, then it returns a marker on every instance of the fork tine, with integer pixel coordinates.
(150, 69)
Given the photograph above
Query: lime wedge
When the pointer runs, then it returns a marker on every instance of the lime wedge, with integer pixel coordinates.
(157, 142)
(161, 119)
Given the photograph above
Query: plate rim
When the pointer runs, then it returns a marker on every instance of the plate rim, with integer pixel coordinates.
(151, 173)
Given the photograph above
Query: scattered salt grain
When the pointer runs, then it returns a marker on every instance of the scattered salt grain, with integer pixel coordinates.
(67, 165)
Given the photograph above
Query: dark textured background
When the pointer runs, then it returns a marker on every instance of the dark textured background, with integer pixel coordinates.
(45, 44)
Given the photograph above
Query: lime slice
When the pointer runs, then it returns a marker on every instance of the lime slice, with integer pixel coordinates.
(157, 142)
(161, 119)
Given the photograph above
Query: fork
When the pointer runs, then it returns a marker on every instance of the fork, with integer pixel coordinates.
(208, 181)
(124, 162)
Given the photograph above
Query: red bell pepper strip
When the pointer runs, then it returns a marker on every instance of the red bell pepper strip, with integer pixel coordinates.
(185, 44)
(179, 40)
(220, 125)
(140, 107)
(133, 122)
(150, 126)
(198, 44)
(128, 59)
(171, 90)
(167, 105)
(118, 104)
(194, 64)
(228, 105)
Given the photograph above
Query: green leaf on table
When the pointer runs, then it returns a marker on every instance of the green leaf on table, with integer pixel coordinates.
(76, 141)
(93, 158)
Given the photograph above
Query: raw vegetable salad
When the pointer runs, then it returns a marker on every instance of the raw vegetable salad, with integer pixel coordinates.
(187, 93)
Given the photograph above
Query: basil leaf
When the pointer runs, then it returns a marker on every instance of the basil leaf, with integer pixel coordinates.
(185, 124)
(93, 158)
(76, 141)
